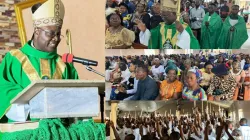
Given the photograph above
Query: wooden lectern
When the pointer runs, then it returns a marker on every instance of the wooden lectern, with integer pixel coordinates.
(59, 99)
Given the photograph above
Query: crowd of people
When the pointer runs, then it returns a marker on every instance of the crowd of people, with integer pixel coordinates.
(196, 126)
(136, 23)
(174, 77)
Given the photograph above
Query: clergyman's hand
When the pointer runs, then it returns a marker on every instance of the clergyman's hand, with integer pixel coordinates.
(179, 26)
(207, 23)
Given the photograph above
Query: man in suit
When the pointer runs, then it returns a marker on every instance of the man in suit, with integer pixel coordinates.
(147, 88)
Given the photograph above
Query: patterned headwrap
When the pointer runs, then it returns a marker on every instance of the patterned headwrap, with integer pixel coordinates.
(172, 66)
(197, 72)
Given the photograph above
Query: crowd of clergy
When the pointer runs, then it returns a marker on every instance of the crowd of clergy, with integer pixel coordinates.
(172, 77)
(198, 25)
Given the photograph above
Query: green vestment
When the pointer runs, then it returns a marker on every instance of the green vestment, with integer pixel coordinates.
(167, 34)
(211, 33)
(233, 39)
(20, 67)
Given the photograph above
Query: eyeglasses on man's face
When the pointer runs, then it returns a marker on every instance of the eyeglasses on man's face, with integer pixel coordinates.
(52, 34)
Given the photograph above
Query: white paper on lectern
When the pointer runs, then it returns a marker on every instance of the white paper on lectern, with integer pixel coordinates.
(18, 112)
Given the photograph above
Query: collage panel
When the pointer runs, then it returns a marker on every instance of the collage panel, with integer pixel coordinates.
(214, 75)
(177, 120)
(177, 24)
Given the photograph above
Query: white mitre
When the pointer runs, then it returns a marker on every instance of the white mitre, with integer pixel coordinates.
(49, 13)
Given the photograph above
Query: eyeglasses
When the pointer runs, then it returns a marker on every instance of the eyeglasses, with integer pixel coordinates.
(52, 34)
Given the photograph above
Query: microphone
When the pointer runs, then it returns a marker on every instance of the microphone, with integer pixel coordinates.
(69, 58)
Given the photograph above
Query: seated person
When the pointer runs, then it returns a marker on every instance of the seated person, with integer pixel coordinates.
(171, 88)
(147, 88)
(129, 88)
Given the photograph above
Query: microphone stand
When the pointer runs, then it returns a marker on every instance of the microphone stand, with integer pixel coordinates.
(102, 95)
(92, 70)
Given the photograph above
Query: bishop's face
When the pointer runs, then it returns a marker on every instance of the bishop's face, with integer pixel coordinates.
(168, 17)
(47, 38)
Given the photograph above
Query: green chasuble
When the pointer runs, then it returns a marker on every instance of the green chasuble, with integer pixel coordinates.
(211, 33)
(165, 36)
(233, 39)
(22, 66)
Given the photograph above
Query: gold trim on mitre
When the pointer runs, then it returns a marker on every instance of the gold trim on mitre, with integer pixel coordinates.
(49, 13)
(169, 9)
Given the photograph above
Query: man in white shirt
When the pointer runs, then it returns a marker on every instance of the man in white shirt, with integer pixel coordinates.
(196, 17)
(245, 129)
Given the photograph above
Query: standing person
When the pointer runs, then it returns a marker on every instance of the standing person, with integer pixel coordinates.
(196, 16)
(156, 18)
(140, 16)
(234, 32)
(172, 34)
(211, 28)
(36, 60)
(224, 11)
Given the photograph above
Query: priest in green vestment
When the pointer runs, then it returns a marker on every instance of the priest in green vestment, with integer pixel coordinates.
(36, 60)
(172, 34)
(211, 28)
(234, 32)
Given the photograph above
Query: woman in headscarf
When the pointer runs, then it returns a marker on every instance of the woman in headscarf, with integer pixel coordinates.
(171, 88)
(207, 75)
(239, 76)
(223, 84)
(117, 36)
(193, 91)
(246, 84)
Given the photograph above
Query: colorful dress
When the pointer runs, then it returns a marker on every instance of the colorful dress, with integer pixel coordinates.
(167, 90)
(224, 89)
(196, 95)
